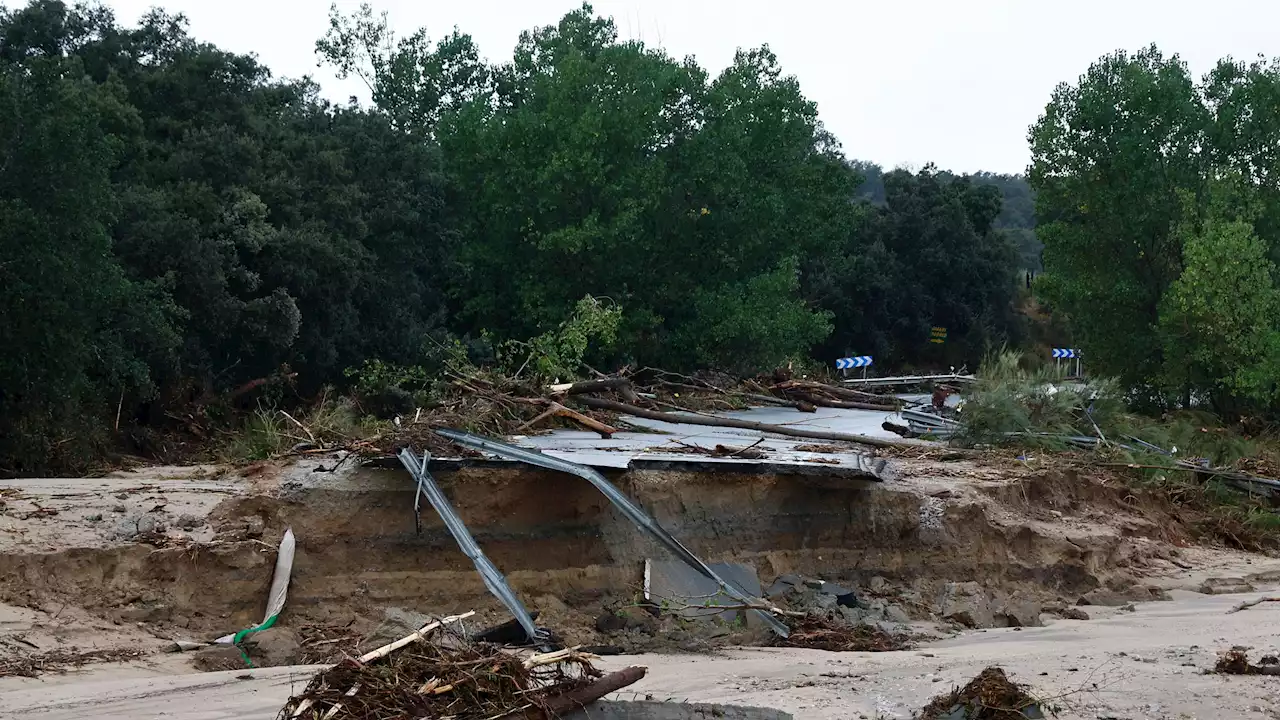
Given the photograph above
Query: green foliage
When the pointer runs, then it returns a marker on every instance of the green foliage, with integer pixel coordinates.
(1219, 318)
(1010, 405)
(929, 256)
(177, 224)
(1161, 221)
(558, 354)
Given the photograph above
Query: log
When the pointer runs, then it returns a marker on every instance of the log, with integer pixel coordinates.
(621, 385)
(845, 404)
(555, 408)
(713, 421)
(845, 393)
(583, 696)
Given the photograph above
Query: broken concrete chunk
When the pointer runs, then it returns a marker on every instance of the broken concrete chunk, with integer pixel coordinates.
(878, 584)
(686, 592)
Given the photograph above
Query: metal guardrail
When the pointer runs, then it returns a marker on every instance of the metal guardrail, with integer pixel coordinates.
(493, 578)
(909, 380)
(627, 508)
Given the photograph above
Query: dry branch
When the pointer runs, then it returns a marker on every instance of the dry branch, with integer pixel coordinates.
(1251, 603)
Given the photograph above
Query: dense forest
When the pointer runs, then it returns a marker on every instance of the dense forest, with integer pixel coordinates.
(179, 224)
(1158, 199)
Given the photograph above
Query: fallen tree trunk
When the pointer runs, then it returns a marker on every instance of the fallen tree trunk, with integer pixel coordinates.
(712, 421)
(843, 404)
(558, 410)
(622, 385)
(583, 696)
(845, 393)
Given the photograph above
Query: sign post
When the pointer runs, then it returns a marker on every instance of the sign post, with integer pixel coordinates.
(937, 335)
(858, 361)
(1061, 354)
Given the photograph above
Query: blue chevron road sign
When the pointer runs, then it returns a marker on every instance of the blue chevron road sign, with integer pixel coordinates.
(1065, 353)
(848, 363)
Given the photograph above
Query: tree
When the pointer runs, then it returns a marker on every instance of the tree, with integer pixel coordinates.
(77, 332)
(1112, 158)
(1219, 318)
(596, 167)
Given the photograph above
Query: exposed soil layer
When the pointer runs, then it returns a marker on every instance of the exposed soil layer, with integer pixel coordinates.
(1014, 530)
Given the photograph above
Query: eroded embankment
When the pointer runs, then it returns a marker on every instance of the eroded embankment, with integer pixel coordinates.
(566, 551)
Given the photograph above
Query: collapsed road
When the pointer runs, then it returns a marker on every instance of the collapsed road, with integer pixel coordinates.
(113, 571)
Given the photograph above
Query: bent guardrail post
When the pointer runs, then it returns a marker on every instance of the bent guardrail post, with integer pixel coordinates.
(493, 578)
(626, 507)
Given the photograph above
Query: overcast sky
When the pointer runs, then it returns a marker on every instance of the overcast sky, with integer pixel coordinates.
(900, 82)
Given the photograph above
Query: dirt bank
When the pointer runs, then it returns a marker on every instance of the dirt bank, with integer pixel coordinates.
(188, 552)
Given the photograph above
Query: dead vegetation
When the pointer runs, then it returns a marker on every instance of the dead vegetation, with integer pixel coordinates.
(14, 664)
(818, 633)
(989, 696)
(448, 676)
(1236, 662)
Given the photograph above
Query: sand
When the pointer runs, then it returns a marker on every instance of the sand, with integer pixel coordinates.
(1148, 663)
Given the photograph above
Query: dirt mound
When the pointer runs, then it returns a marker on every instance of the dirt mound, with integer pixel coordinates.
(989, 696)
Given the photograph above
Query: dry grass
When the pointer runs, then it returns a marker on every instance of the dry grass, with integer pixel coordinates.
(818, 633)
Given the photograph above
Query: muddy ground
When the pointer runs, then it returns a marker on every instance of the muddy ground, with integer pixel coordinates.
(954, 552)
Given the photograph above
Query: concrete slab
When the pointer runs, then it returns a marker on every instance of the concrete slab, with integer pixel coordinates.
(691, 594)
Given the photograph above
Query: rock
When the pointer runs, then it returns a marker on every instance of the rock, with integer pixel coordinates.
(396, 623)
(1104, 597)
(967, 603)
(610, 623)
(254, 526)
(141, 614)
(853, 615)
(1073, 614)
(1128, 608)
(1020, 612)
(830, 588)
(218, 658)
(783, 585)
(896, 614)
(119, 509)
(274, 647)
(188, 522)
(640, 621)
(1225, 586)
(878, 585)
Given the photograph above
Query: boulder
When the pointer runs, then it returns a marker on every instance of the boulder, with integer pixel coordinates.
(274, 647)
(218, 658)
(1021, 612)
(968, 604)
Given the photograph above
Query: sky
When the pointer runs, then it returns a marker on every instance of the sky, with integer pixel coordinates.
(900, 82)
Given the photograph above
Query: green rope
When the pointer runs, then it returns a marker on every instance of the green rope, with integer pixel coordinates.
(240, 636)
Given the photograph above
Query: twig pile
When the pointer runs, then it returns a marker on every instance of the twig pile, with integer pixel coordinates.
(447, 678)
(21, 665)
(989, 696)
(818, 633)
(1236, 662)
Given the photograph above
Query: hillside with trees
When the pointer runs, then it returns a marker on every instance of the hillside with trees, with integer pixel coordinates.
(181, 226)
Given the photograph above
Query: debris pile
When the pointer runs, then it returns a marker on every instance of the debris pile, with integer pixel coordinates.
(17, 664)
(1236, 662)
(448, 676)
(819, 633)
(989, 696)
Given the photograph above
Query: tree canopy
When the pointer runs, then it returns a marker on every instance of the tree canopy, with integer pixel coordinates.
(1158, 206)
(179, 224)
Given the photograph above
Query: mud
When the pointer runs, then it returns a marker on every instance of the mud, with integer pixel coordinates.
(202, 568)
